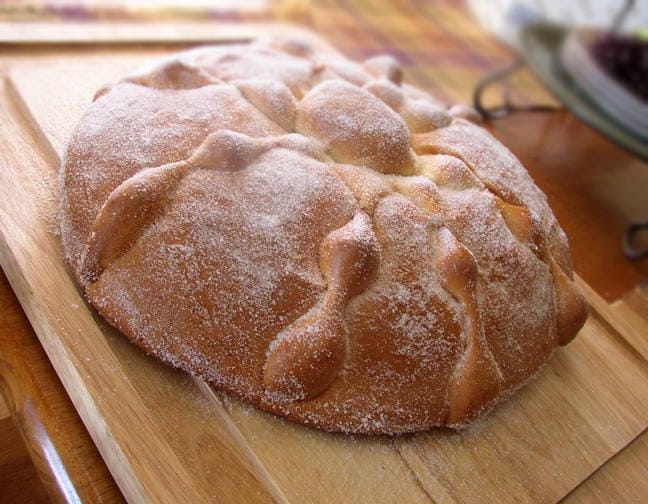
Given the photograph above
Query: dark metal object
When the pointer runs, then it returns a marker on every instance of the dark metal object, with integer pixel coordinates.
(628, 238)
(507, 106)
(621, 16)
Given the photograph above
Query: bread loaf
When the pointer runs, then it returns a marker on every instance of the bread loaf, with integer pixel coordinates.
(316, 237)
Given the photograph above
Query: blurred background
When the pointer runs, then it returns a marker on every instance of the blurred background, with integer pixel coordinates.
(440, 43)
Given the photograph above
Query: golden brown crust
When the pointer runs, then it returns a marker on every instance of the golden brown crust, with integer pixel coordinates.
(316, 237)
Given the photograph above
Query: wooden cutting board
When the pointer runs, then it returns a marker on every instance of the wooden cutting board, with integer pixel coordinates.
(169, 438)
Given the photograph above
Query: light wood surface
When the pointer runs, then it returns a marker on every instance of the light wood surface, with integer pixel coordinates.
(4, 409)
(622, 479)
(620, 315)
(632, 311)
(142, 33)
(49, 429)
(166, 437)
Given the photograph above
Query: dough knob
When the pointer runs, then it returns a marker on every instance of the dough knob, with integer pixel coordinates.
(306, 358)
(125, 214)
(476, 379)
(385, 66)
(349, 260)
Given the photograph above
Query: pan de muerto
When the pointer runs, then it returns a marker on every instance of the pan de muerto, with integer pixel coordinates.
(316, 237)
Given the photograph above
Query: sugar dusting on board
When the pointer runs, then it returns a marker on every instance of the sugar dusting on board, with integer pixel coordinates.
(235, 233)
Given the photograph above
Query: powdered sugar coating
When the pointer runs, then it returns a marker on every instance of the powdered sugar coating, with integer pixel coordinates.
(312, 235)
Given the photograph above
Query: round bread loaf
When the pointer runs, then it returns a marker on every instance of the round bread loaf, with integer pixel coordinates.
(316, 237)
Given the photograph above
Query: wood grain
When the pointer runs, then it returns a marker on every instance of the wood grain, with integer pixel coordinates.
(622, 317)
(622, 479)
(166, 438)
(315, 466)
(4, 409)
(637, 301)
(18, 479)
(128, 33)
(62, 453)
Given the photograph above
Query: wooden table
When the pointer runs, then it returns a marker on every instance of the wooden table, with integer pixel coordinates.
(593, 187)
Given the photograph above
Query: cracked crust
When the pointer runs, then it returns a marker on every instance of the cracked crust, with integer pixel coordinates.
(316, 237)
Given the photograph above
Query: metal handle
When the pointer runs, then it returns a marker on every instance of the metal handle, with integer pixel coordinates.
(499, 111)
(630, 251)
